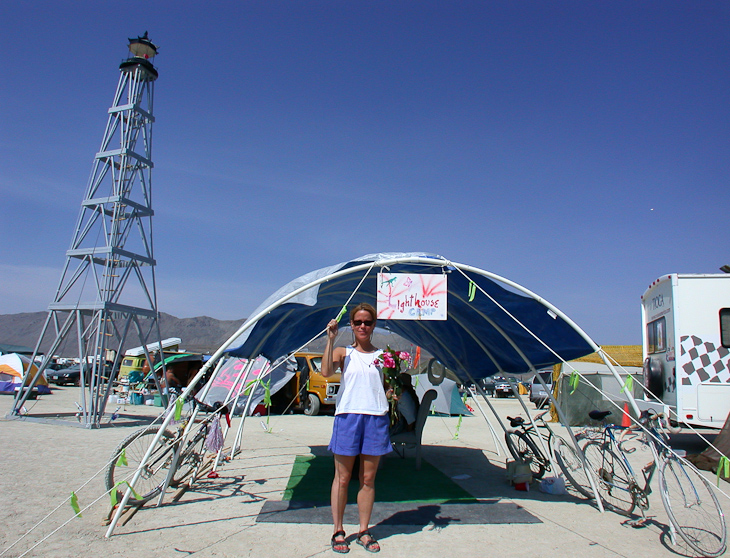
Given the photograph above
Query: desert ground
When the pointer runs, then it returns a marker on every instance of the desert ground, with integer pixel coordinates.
(44, 462)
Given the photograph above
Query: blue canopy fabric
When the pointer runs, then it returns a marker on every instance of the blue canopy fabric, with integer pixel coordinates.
(500, 331)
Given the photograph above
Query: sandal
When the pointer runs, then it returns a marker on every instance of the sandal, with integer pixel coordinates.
(342, 547)
(372, 545)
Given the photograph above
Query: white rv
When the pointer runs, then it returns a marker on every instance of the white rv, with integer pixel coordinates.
(686, 338)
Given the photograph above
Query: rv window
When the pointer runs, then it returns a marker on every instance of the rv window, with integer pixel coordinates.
(725, 327)
(656, 334)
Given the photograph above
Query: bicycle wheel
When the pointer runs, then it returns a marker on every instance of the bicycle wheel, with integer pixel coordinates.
(191, 458)
(155, 470)
(615, 484)
(524, 449)
(692, 507)
(572, 466)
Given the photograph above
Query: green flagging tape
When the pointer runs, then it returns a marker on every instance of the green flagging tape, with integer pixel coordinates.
(113, 492)
(723, 468)
(343, 311)
(179, 402)
(458, 426)
(472, 290)
(75, 504)
(122, 461)
(574, 379)
(267, 394)
(629, 385)
(248, 388)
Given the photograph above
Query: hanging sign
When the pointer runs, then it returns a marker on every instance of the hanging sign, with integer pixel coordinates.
(412, 296)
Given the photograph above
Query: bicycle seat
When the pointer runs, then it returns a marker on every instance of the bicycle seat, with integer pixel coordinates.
(599, 415)
(514, 422)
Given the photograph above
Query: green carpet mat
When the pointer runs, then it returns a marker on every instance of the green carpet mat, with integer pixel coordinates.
(397, 481)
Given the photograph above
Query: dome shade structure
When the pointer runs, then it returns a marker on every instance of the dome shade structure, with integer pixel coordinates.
(503, 329)
(493, 325)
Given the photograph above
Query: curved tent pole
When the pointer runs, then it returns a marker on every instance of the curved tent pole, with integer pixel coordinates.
(493, 432)
(561, 415)
(236, 447)
(543, 446)
(557, 312)
(221, 350)
(494, 412)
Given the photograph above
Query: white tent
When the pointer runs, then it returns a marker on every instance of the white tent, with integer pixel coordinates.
(447, 402)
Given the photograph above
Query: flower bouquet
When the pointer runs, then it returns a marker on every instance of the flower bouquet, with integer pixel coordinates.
(392, 363)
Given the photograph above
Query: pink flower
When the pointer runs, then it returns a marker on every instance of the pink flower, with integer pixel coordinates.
(404, 356)
(388, 361)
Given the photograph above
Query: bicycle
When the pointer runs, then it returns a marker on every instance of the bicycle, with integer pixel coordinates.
(689, 500)
(524, 446)
(172, 461)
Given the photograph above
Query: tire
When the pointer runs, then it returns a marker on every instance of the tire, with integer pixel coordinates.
(155, 472)
(311, 405)
(191, 458)
(523, 449)
(571, 465)
(692, 507)
(615, 484)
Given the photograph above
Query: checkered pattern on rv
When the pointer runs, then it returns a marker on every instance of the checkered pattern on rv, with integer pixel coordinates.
(706, 363)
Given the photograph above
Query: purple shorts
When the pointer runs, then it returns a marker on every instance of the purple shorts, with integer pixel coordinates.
(354, 434)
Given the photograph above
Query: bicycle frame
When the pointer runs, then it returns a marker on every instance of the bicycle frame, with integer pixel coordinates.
(532, 430)
(653, 438)
(639, 494)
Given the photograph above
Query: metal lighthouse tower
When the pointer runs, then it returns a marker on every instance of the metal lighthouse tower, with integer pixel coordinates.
(107, 288)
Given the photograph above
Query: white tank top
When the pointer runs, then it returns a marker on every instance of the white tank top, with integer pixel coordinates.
(361, 385)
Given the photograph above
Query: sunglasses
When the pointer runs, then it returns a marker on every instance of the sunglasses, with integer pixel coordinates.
(366, 323)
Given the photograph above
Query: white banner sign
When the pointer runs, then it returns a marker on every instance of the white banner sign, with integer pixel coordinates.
(410, 296)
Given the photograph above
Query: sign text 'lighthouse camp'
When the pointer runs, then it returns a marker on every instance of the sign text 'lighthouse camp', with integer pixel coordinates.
(411, 296)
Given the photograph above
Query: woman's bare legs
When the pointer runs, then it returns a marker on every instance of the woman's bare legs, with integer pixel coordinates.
(343, 474)
(366, 494)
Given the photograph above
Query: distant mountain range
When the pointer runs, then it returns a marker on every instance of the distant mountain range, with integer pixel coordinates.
(200, 335)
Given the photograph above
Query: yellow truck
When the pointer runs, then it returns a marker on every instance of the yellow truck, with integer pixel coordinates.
(308, 390)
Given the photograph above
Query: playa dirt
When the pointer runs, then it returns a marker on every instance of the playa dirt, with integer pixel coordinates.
(42, 464)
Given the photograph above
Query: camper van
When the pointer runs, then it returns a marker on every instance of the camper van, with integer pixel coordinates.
(308, 391)
(134, 359)
(686, 341)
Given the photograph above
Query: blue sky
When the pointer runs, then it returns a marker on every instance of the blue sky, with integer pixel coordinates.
(577, 148)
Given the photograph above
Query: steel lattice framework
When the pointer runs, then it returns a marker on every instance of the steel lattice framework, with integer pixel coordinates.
(107, 287)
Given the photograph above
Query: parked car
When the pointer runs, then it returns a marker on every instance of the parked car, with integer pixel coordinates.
(62, 376)
(70, 375)
(538, 395)
(502, 387)
(308, 391)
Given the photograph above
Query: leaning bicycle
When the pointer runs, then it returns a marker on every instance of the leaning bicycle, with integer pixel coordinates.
(173, 461)
(689, 499)
(524, 444)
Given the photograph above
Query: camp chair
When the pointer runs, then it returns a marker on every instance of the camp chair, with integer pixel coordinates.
(413, 439)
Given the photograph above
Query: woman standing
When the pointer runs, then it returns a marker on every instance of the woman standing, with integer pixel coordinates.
(361, 422)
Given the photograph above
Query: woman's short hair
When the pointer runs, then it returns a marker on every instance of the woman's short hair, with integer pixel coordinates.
(364, 306)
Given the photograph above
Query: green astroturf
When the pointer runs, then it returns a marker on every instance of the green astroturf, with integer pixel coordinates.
(397, 481)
